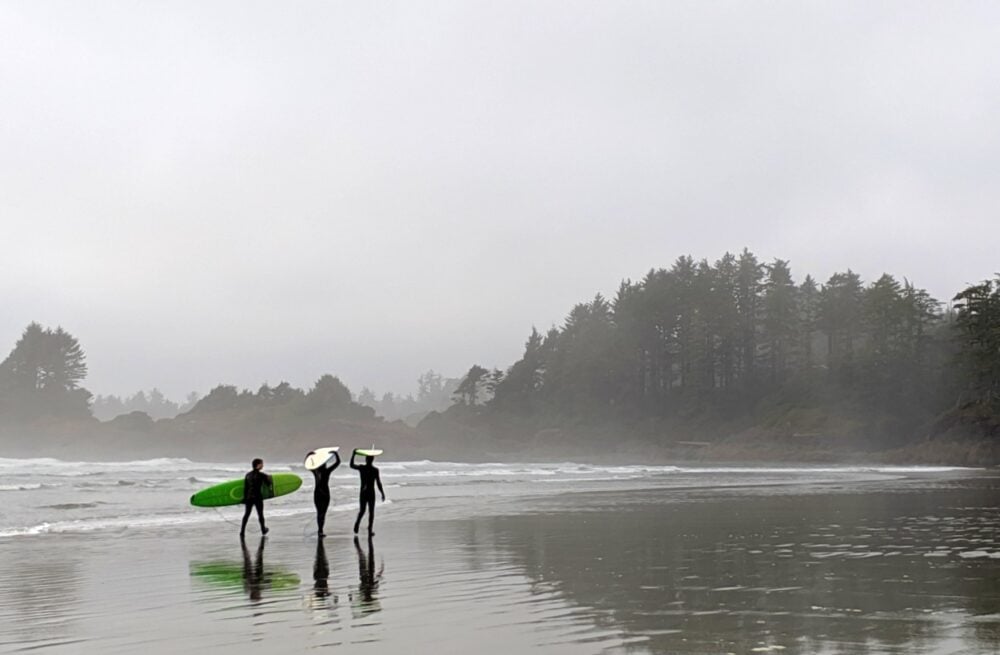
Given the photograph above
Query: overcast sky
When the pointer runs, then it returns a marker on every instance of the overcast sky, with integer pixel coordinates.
(241, 192)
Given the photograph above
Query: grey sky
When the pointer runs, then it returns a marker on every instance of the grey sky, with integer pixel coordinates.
(241, 192)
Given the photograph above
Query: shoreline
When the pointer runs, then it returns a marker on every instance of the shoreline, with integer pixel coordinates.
(452, 442)
(963, 453)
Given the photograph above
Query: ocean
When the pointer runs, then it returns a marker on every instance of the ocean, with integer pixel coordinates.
(107, 557)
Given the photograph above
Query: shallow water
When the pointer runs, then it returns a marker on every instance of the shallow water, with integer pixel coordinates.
(507, 558)
(41, 496)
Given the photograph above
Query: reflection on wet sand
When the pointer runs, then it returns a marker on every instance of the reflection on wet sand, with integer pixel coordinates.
(34, 595)
(250, 574)
(321, 595)
(253, 574)
(904, 572)
(365, 601)
(878, 568)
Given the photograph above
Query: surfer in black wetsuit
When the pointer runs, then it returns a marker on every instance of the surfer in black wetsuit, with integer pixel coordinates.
(253, 494)
(369, 479)
(321, 494)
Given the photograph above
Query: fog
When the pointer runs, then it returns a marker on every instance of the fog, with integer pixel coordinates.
(247, 192)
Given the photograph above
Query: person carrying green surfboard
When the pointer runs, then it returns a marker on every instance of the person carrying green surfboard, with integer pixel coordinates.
(253, 495)
(369, 479)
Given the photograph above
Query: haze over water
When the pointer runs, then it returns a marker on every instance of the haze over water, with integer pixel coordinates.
(501, 558)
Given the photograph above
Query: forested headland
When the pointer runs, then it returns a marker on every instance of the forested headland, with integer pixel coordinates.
(732, 360)
(737, 358)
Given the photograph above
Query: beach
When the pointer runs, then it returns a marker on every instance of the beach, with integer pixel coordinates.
(505, 558)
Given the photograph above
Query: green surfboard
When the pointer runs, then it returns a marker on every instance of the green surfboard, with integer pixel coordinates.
(231, 493)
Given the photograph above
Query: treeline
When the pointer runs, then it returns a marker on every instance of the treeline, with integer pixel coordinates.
(328, 396)
(740, 338)
(41, 380)
(434, 394)
(698, 348)
(154, 404)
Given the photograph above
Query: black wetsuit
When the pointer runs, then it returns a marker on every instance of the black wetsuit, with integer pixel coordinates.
(369, 479)
(321, 494)
(253, 496)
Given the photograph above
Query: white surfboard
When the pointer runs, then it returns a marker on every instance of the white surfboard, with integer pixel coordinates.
(369, 452)
(320, 457)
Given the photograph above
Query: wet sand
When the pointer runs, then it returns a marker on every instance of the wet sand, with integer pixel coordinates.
(895, 567)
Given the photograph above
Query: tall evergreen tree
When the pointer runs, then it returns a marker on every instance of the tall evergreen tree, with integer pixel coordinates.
(839, 318)
(471, 390)
(978, 322)
(515, 391)
(781, 320)
(808, 317)
(749, 282)
(723, 309)
(42, 374)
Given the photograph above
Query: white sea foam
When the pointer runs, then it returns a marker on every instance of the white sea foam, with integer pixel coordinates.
(57, 467)
(53, 466)
(123, 523)
(607, 478)
(19, 487)
(425, 468)
(20, 532)
(792, 470)
(118, 496)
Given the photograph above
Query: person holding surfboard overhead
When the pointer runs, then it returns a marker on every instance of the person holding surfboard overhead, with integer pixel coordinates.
(321, 494)
(253, 494)
(369, 479)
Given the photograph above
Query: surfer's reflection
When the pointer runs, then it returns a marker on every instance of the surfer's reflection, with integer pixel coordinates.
(249, 575)
(321, 576)
(253, 573)
(366, 600)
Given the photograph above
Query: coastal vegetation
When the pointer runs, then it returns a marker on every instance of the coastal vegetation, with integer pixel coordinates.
(731, 359)
(699, 352)
(41, 377)
(152, 403)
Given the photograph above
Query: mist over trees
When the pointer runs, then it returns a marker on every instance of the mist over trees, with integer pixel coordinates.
(328, 396)
(741, 340)
(41, 380)
(434, 394)
(478, 385)
(152, 403)
(698, 349)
